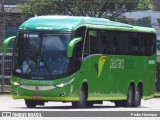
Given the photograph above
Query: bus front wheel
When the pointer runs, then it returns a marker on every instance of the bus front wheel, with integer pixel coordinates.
(83, 99)
(89, 104)
(30, 103)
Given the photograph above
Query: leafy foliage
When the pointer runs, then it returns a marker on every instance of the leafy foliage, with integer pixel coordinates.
(94, 8)
(145, 21)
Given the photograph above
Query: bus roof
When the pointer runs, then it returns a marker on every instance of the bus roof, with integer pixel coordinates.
(71, 23)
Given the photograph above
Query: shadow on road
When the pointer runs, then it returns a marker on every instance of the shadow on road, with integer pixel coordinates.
(70, 107)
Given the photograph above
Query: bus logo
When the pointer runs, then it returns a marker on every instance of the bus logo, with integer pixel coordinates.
(36, 88)
(101, 62)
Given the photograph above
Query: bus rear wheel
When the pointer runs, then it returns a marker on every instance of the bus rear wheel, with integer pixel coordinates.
(130, 97)
(137, 97)
(119, 103)
(30, 103)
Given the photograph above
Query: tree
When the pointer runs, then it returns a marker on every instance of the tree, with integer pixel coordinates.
(145, 21)
(93, 8)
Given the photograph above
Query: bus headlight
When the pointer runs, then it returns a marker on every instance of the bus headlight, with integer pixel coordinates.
(60, 85)
(65, 83)
(16, 83)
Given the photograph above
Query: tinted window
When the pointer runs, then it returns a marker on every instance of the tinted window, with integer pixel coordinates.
(133, 44)
(91, 43)
(41, 56)
(55, 42)
(103, 45)
(113, 42)
(86, 46)
(142, 50)
(123, 38)
(120, 43)
(149, 44)
(93, 37)
(142, 44)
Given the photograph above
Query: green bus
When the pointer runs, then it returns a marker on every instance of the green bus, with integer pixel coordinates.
(82, 60)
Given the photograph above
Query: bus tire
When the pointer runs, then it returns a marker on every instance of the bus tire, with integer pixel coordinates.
(83, 98)
(137, 97)
(130, 97)
(89, 104)
(74, 104)
(119, 103)
(30, 103)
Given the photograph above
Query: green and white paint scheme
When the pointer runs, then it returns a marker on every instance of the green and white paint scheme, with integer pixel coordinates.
(110, 80)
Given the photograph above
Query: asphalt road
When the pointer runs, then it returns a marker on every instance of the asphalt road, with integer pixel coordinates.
(65, 109)
(9, 104)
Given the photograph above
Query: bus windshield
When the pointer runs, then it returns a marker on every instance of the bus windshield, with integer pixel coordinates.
(41, 56)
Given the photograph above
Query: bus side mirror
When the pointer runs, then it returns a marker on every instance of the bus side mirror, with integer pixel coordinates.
(6, 43)
(71, 46)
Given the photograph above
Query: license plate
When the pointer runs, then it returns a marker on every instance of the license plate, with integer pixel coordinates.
(36, 96)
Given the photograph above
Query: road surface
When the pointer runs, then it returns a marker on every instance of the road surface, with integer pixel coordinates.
(9, 104)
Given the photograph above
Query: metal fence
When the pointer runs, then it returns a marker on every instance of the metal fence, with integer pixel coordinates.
(5, 71)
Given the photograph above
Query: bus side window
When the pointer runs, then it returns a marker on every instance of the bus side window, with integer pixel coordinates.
(149, 42)
(86, 46)
(116, 44)
(123, 38)
(80, 32)
(133, 44)
(91, 43)
(110, 42)
(141, 46)
(147, 45)
(93, 38)
(103, 43)
(152, 46)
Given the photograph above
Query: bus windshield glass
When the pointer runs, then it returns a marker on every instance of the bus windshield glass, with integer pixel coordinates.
(41, 56)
